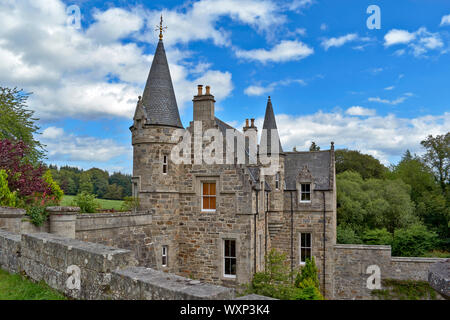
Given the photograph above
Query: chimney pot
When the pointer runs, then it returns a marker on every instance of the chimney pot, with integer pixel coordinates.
(200, 90)
(253, 123)
(207, 90)
(246, 123)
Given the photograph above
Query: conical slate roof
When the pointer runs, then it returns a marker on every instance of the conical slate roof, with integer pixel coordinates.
(269, 124)
(159, 98)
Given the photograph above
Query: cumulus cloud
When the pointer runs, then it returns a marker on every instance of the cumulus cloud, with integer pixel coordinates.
(258, 90)
(339, 41)
(384, 137)
(286, 50)
(420, 42)
(62, 146)
(360, 111)
(87, 73)
(445, 20)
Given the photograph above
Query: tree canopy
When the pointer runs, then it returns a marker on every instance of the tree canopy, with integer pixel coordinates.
(366, 165)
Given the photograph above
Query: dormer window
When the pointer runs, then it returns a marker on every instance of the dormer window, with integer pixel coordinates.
(277, 181)
(165, 165)
(305, 192)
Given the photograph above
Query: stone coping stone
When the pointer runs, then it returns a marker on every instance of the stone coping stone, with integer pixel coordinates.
(439, 277)
(153, 282)
(93, 256)
(6, 236)
(63, 210)
(9, 212)
(361, 247)
(254, 297)
(109, 214)
(417, 259)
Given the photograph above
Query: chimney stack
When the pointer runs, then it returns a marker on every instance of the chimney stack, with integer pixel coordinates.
(204, 105)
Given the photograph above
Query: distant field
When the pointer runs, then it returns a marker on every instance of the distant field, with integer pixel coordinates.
(16, 287)
(105, 204)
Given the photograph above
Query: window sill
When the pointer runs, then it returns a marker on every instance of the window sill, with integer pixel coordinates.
(208, 210)
(229, 277)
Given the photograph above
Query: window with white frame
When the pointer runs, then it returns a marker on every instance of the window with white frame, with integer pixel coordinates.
(164, 256)
(208, 196)
(165, 164)
(277, 181)
(305, 192)
(229, 257)
(305, 246)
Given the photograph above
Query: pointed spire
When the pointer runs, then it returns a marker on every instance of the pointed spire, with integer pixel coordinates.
(269, 124)
(159, 99)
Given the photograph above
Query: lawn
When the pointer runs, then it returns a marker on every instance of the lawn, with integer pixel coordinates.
(17, 287)
(104, 204)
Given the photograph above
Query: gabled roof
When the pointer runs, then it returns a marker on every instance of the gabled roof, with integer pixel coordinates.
(269, 124)
(158, 98)
(318, 164)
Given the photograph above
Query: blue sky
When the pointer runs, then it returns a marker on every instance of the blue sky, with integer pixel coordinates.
(330, 77)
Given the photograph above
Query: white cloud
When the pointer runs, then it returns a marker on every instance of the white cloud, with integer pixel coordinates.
(382, 136)
(419, 42)
(340, 41)
(86, 74)
(297, 5)
(62, 146)
(393, 102)
(360, 111)
(445, 20)
(286, 50)
(258, 90)
(396, 36)
(323, 27)
(389, 88)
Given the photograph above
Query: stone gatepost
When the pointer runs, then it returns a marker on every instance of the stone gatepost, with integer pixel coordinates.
(63, 220)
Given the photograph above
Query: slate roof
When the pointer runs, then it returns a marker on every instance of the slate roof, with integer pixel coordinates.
(269, 124)
(317, 162)
(158, 98)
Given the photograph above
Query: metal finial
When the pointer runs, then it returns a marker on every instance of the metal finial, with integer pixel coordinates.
(160, 28)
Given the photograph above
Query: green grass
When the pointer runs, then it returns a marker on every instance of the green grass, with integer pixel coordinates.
(104, 204)
(17, 287)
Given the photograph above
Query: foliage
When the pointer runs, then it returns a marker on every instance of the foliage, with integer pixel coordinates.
(17, 287)
(405, 290)
(346, 235)
(7, 198)
(23, 176)
(115, 205)
(438, 156)
(366, 165)
(17, 122)
(308, 275)
(437, 254)
(86, 202)
(276, 281)
(373, 203)
(73, 181)
(38, 215)
(130, 204)
(36, 207)
(377, 237)
(413, 241)
(54, 187)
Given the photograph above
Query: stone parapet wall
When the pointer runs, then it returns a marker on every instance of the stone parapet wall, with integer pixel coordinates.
(351, 272)
(84, 270)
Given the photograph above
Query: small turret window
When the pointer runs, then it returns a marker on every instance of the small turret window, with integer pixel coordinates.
(165, 164)
(277, 181)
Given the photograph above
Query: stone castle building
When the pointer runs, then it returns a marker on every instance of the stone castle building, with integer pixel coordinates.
(216, 222)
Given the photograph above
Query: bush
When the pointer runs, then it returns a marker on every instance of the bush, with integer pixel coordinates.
(7, 198)
(413, 241)
(55, 189)
(276, 281)
(38, 215)
(346, 235)
(86, 202)
(377, 237)
(130, 204)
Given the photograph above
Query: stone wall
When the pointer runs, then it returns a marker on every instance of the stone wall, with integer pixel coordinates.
(125, 230)
(351, 272)
(85, 270)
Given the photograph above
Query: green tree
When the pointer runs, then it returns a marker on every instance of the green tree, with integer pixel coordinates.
(377, 237)
(7, 198)
(114, 192)
(438, 156)
(346, 235)
(413, 241)
(86, 184)
(99, 179)
(366, 165)
(123, 180)
(17, 122)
